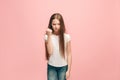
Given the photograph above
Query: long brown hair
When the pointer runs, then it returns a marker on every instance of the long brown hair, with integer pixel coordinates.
(61, 33)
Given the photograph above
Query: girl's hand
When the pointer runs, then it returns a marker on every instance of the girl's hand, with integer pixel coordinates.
(67, 74)
(48, 31)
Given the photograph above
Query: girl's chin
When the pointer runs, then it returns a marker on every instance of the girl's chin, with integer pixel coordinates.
(56, 31)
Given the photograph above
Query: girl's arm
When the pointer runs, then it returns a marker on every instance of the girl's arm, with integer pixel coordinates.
(69, 55)
(48, 43)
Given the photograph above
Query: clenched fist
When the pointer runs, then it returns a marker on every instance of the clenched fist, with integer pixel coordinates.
(48, 31)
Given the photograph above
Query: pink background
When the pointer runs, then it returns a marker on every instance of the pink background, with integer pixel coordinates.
(94, 26)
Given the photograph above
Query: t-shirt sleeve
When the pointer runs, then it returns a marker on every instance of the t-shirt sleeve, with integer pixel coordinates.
(68, 37)
(45, 37)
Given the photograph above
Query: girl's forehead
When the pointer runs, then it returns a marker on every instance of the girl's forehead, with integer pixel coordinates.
(56, 21)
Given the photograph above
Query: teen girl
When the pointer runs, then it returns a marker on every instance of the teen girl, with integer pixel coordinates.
(58, 49)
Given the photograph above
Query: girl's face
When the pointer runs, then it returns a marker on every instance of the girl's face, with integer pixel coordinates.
(56, 25)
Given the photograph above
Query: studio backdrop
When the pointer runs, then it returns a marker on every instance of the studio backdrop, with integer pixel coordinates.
(94, 26)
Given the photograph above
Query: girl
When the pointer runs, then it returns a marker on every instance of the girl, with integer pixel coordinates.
(58, 49)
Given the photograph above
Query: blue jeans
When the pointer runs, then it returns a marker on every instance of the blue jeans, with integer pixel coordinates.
(56, 73)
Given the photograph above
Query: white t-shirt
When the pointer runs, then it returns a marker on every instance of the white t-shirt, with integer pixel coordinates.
(56, 59)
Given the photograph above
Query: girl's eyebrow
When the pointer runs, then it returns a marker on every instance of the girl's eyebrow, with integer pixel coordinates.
(56, 23)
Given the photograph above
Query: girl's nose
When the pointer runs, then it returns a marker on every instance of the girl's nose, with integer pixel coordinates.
(55, 25)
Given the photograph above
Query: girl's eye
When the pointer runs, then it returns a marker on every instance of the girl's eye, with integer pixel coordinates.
(56, 24)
